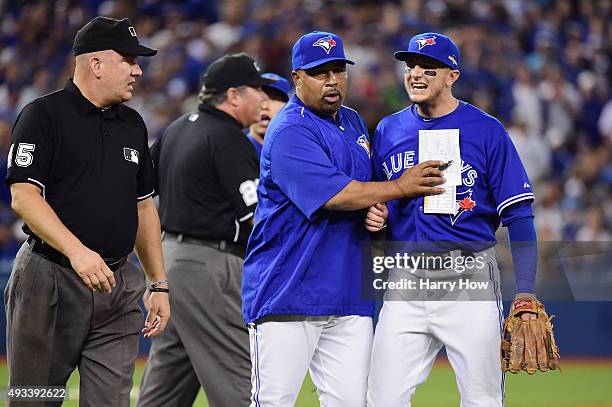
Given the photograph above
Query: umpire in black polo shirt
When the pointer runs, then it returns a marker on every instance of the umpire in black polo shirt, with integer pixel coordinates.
(208, 173)
(81, 177)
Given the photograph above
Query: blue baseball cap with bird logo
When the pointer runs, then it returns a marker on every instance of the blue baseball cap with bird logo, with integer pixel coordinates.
(432, 45)
(317, 48)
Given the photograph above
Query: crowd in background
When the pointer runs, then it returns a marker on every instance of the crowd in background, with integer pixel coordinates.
(542, 67)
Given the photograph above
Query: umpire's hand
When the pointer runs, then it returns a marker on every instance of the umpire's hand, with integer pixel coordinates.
(90, 267)
(421, 179)
(158, 314)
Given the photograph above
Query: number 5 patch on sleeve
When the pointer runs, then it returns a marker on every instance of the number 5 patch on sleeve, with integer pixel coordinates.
(23, 157)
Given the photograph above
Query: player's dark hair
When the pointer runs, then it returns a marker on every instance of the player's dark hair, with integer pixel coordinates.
(275, 94)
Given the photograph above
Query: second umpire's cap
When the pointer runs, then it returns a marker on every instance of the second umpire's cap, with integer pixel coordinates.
(233, 70)
(316, 48)
(432, 45)
(281, 87)
(104, 33)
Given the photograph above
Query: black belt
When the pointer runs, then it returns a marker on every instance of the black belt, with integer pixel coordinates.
(49, 253)
(219, 244)
(436, 261)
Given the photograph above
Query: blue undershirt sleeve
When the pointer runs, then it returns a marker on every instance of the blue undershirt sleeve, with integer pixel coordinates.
(524, 248)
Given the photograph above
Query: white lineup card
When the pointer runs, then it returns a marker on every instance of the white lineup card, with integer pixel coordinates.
(442, 145)
(445, 202)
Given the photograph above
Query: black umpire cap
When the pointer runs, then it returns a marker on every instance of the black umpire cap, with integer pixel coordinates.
(104, 33)
(233, 70)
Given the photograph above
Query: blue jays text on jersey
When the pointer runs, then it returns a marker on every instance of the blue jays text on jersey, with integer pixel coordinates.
(302, 259)
(403, 160)
(493, 177)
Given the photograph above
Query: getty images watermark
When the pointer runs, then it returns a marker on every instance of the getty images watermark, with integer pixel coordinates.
(482, 271)
(453, 275)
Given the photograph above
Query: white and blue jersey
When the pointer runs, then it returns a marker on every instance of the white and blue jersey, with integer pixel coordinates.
(493, 177)
(302, 259)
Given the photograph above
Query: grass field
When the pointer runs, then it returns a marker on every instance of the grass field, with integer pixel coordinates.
(580, 384)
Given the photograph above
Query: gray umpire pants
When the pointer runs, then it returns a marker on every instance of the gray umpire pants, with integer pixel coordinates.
(55, 323)
(206, 341)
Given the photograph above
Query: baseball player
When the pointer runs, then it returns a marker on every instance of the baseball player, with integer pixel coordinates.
(301, 281)
(493, 189)
(276, 95)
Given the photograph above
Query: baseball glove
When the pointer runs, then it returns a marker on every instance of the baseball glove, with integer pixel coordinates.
(528, 345)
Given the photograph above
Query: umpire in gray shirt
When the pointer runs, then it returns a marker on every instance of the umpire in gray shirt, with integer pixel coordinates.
(81, 177)
(208, 173)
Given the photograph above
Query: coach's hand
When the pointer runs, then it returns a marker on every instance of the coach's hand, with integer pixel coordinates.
(376, 217)
(90, 267)
(421, 179)
(158, 315)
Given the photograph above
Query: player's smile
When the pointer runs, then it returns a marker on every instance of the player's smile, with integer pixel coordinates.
(419, 88)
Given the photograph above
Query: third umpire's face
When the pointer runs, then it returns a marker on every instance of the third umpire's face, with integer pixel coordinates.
(248, 101)
(322, 88)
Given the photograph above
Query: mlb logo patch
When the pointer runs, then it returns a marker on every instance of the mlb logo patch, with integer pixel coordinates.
(132, 31)
(130, 155)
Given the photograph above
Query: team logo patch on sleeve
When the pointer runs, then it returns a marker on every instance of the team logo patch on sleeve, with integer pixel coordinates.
(327, 43)
(130, 155)
(365, 143)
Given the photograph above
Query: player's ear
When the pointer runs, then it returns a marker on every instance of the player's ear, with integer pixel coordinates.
(297, 80)
(452, 77)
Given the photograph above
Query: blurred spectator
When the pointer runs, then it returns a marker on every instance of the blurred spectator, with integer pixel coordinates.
(604, 124)
(533, 150)
(562, 105)
(594, 228)
(528, 108)
(548, 215)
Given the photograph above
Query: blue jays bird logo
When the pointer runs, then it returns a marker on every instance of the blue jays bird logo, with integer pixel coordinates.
(423, 42)
(327, 43)
(365, 143)
(466, 203)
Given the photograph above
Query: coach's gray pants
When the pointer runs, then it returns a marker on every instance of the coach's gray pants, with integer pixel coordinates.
(55, 323)
(206, 341)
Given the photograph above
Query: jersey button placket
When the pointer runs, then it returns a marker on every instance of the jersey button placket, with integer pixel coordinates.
(419, 219)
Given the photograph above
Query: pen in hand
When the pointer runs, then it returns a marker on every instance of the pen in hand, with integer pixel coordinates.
(445, 165)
